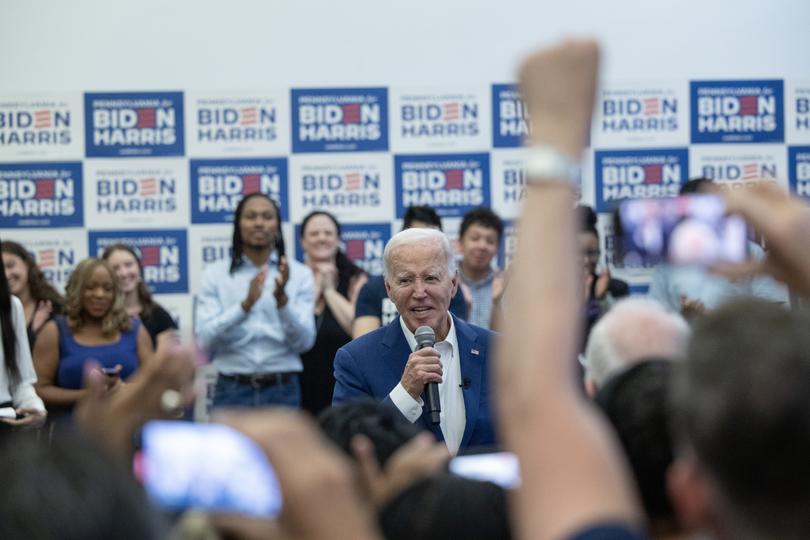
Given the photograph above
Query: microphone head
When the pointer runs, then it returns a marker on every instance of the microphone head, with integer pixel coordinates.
(425, 337)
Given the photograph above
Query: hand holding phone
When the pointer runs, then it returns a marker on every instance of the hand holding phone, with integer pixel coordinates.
(207, 466)
(692, 229)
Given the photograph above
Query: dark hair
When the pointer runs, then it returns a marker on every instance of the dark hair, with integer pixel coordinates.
(425, 214)
(447, 506)
(7, 328)
(481, 216)
(69, 490)
(144, 294)
(695, 185)
(587, 219)
(238, 250)
(347, 270)
(386, 428)
(635, 401)
(741, 403)
(38, 286)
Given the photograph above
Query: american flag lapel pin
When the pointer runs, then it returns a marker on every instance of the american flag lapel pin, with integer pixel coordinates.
(474, 351)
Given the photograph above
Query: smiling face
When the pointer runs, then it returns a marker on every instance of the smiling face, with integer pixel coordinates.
(16, 273)
(421, 287)
(98, 294)
(479, 245)
(126, 269)
(258, 224)
(320, 238)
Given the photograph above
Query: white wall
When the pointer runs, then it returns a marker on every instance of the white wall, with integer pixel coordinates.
(185, 44)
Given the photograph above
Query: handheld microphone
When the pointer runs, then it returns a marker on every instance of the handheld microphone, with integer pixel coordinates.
(425, 337)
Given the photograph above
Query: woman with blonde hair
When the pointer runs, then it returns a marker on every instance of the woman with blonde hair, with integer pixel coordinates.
(95, 329)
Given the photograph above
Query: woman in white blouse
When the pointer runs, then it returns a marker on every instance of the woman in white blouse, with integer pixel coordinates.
(19, 403)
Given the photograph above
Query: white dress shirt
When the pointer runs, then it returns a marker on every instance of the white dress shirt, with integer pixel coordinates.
(453, 417)
(266, 339)
(21, 394)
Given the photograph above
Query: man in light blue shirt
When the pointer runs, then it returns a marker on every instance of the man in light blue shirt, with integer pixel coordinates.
(254, 312)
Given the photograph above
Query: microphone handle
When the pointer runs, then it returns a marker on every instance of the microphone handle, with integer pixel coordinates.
(434, 407)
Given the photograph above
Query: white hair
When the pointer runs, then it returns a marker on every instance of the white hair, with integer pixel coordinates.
(635, 329)
(418, 236)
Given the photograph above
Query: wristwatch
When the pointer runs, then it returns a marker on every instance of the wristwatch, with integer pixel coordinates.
(545, 165)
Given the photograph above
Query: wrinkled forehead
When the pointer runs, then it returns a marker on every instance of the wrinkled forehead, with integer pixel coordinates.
(418, 258)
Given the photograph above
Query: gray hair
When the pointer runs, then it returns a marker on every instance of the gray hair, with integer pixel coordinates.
(634, 329)
(419, 236)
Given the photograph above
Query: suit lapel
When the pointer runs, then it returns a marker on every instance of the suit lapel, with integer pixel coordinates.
(397, 351)
(471, 356)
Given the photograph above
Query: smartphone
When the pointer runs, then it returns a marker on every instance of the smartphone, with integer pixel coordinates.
(211, 467)
(690, 229)
(500, 468)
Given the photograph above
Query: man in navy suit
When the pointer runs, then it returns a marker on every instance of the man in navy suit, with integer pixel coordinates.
(421, 279)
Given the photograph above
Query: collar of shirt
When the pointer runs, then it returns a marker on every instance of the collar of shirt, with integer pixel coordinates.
(272, 260)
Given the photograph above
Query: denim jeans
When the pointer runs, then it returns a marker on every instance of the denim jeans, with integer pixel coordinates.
(231, 393)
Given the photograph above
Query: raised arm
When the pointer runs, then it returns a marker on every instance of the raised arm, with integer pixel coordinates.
(573, 475)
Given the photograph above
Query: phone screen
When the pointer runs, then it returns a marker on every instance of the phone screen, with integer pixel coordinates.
(692, 229)
(207, 466)
(500, 468)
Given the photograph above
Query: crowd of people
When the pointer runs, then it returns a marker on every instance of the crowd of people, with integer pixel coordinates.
(684, 412)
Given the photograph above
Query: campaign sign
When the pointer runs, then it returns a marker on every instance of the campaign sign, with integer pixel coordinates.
(352, 187)
(123, 194)
(737, 111)
(163, 254)
(41, 195)
(55, 256)
(740, 166)
(40, 127)
(452, 184)
(797, 101)
(638, 174)
(641, 114)
(508, 245)
(508, 181)
(636, 271)
(799, 170)
(133, 124)
(454, 119)
(237, 123)
(363, 244)
(340, 120)
(217, 186)
(510, 118)
(207, 244)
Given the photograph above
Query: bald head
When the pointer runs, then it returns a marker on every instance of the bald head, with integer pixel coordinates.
(634, 329)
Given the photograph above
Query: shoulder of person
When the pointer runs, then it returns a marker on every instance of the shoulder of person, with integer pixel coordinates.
(371, 339)
(217, 268)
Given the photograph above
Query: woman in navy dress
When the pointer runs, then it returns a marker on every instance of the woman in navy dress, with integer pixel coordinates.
(93, 330)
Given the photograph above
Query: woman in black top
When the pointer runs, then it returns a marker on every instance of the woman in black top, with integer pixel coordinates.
(337, 283)
(40, 300)
(137, 297)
